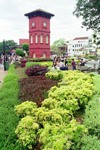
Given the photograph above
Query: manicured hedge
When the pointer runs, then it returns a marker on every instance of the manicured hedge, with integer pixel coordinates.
(92, 119)
(8, 120)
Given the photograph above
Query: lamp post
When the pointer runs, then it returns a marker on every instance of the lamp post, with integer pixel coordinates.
(4, 55)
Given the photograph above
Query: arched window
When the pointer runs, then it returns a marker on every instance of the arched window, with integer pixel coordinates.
(41, 38)
(46, 39)
(31, 39)
(44, 55)
(34, 55)
(36, 38)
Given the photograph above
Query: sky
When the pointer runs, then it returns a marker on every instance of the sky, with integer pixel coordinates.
(14, 25)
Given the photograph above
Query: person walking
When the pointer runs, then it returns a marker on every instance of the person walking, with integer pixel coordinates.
(54, 62)
(73, 64)
(66, 63)
(1, 62)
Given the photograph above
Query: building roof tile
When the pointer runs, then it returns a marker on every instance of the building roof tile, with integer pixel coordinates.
(81, 38)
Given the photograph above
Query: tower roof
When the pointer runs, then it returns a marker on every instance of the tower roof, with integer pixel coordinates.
(39, 12)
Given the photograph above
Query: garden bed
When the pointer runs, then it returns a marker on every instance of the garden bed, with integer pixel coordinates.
(57, 124)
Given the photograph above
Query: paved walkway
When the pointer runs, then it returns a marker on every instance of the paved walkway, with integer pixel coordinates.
(2, 75)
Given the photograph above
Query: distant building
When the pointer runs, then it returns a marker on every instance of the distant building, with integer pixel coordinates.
(13, 51)
(22, 41)
(79, 46)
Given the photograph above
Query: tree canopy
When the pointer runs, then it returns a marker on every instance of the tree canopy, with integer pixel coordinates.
(25, 46)
(19, 52)
(9, 45)
(56, 44)
(89, 10)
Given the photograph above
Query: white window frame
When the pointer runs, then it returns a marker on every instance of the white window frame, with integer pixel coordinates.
(31, 39)
(47, 41)
(36, 38)
(41, 38)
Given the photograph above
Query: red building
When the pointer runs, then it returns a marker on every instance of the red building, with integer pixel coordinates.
(22, 41)
(39, 33)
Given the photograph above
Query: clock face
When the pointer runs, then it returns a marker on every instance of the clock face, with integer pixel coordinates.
(44, 23)
(33, 24)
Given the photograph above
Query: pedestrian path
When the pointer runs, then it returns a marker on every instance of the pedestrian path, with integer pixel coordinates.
(2, 75)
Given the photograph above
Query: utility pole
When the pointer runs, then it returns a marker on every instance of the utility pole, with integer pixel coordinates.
(4, 55)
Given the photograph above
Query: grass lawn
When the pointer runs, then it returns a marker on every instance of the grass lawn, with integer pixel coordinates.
(20, 72)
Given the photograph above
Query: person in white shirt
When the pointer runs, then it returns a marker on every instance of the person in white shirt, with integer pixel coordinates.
(62, 65)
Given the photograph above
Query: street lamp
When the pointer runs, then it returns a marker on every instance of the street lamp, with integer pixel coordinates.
(4, 55)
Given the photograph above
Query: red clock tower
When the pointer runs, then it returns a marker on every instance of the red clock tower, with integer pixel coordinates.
(39, 33)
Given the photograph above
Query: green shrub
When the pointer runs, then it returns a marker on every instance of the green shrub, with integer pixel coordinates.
(26, 131)
(25, 46)
(30, 64)
(11, 68)
(90, 142)
(25, 108)
(60, 137)
(56, 128)
(92, 56)
(51, 128)
(92, 112)
(19, 52)
(57, 75)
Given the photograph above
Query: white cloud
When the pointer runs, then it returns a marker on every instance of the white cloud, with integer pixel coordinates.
(14, 25)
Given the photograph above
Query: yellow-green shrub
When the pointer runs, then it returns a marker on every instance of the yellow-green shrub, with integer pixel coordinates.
(26, 131)
(54, 75)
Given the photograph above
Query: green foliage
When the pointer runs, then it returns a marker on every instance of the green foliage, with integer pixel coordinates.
(9, 45)
(89, 10)
(62, 137)
(54, 74)
(56, 44)
(8, 120)
(19, 52)
(25, 47)
(92, 112)
(12, 68)
(90, 142)
(30, 64)
(57, 127)
(10, 77)
(25, 108)
(26, 131)
(92, 56)
(92, 120)
(49, 127)
(78, 90)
